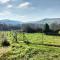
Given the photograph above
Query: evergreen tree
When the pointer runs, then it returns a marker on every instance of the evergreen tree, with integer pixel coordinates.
(46, 28)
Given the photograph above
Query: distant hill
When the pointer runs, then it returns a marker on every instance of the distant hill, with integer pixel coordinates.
(10, 22)
(49, 21)
(54, 24)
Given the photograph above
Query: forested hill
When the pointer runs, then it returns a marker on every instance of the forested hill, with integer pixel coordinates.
(54, 24)
(9, 24)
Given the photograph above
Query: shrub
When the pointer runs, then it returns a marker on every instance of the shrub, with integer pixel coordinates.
(5, 43)
(27, 42)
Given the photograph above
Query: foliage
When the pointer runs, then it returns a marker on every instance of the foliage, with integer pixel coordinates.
(5, 43)
(46, 28)
(29, 48)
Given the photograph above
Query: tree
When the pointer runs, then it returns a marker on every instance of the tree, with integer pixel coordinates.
(46, 30)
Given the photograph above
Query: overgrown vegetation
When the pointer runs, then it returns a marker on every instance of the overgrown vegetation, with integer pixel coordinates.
(28, 48)
(5, 43)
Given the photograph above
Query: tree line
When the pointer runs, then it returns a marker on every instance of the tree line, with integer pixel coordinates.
(9, 27)
(46, 29)
(32, 28)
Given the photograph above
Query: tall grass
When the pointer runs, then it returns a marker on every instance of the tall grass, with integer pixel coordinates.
(31, 51)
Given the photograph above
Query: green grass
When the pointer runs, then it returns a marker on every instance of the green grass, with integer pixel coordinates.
(42, 38)
(33, 51)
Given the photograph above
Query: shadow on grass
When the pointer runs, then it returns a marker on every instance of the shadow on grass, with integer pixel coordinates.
(53, 45)
(52, 34)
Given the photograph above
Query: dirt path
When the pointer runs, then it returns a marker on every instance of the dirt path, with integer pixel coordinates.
(3, 50)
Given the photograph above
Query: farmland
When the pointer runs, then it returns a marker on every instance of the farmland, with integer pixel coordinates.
(27, 46)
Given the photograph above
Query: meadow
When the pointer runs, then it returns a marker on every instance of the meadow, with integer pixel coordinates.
(29, 46)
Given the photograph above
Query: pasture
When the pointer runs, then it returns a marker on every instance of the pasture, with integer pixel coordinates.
(29, 46)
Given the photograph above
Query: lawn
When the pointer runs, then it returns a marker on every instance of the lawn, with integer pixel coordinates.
(20, 50)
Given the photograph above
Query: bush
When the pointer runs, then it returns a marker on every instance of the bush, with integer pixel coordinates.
(27, 42)
(5, 43)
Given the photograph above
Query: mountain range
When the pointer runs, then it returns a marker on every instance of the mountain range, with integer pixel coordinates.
(52, 22)
(43, 21)
(10, 22)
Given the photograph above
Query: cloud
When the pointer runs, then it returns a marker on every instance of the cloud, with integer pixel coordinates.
(4, 1)
(20, 17)
(9, 15)
(9, 6)
(5, 13)
(24, 5)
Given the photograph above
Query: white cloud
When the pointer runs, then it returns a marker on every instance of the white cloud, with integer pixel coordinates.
(4, 1)
(22, 18)
(9, 6)
(9, 15)
(24, 5)
(5, 13)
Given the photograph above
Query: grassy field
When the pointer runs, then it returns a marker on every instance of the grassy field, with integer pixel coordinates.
(28, 46)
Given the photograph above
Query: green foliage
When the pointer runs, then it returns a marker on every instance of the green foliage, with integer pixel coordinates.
(46, 28)
(5, 43)
(29, 48)
(27, 42)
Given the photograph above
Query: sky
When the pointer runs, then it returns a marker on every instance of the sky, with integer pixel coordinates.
(29, 10)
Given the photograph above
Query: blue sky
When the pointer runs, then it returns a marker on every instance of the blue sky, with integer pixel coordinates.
(29, 10)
